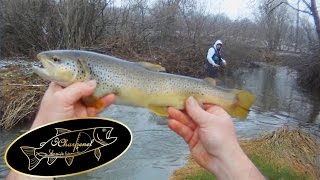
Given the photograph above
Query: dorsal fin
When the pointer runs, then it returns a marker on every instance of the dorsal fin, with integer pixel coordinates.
(61, 131)
(152, 67)
(211, 81)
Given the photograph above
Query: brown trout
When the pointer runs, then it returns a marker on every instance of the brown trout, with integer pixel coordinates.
(138, 84)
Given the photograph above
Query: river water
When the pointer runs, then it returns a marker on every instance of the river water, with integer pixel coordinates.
(156, 152)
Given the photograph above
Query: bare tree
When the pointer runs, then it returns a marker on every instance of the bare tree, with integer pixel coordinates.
(273, 22)
(311, 10)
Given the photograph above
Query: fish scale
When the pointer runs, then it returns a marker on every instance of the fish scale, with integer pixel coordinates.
(138, 83)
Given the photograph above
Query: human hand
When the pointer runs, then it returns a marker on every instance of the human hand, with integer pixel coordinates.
(212, 140)
(58, 103)
(62, 103)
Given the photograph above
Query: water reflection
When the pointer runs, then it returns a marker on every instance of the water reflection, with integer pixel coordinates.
(277, 92)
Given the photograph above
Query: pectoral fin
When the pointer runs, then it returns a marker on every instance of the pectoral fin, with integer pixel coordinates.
(159, 110)
(51, 160)
(97, 154)
(152, 67)
(69, 160)
(93, 101)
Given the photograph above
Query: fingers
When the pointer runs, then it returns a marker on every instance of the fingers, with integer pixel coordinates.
(91, 111)
(106, 101)
(198, 115)
(218, 111)
(182, 130)
(207, 106)
(181, 117)
(76, 91)
(53, 87)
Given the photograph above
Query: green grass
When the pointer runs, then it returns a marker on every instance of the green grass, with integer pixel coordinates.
(273, 172)
(201, 175)
(269, 171)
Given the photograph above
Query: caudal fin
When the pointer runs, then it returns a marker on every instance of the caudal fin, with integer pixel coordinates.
(241, 107)
(30, 152)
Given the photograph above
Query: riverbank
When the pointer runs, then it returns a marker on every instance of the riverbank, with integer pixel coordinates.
(283, 154)
(21, 91)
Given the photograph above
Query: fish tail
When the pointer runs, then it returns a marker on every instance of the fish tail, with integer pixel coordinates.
(30, 152)
(244, 101)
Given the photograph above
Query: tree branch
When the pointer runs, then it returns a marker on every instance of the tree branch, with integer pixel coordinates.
(306, 3)
(304, 11)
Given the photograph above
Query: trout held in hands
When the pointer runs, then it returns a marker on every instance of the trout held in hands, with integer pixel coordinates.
(137, 84)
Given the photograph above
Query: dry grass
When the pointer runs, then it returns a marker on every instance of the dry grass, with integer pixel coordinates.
(17, 110)
(291, 148)
(19, 96)
(284, 152)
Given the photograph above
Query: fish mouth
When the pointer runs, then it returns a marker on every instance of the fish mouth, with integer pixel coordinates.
(46, 68)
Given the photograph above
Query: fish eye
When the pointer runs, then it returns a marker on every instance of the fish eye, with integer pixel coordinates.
(56, 59)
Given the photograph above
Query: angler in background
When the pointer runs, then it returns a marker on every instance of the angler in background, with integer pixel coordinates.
(214, 59)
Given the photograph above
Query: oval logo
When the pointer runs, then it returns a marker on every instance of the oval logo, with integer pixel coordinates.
(68, 147)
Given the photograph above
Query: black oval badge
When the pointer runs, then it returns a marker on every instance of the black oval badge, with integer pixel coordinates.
(68, 147)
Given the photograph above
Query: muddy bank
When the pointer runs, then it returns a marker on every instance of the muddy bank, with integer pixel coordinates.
(21, 91)
(282, 154)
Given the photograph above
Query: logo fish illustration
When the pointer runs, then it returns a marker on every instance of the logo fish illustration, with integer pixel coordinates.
(67, 144)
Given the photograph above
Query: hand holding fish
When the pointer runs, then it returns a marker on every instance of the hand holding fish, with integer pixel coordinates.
(212, 140)
(61, 103)
(58, 103)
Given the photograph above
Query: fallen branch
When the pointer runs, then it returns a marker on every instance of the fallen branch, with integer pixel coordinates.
(25, 85)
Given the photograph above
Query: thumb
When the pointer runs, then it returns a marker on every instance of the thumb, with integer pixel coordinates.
(198, 115)
(76, 91)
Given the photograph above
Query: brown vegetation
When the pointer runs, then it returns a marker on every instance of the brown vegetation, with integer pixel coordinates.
(290, 148)
(309, 71)
(19, 98)
(287, 148)
(173, 32)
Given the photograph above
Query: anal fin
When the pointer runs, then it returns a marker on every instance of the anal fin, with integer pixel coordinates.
(69, 160)
(159, 110)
